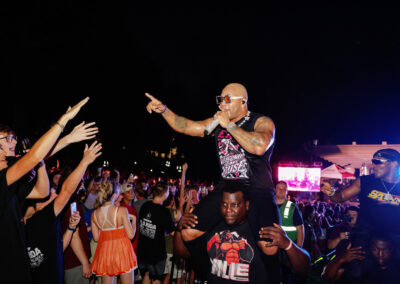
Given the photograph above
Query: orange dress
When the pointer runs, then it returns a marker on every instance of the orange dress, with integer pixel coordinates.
(114, 253)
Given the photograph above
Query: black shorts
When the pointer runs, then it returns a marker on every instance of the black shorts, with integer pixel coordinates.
(263, 210)
(156, 270)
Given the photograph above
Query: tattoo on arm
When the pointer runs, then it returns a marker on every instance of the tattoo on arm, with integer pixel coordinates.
(257, 139)
(181, 123)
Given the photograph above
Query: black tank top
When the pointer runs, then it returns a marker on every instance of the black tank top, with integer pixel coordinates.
(238, 164)
(379, 209)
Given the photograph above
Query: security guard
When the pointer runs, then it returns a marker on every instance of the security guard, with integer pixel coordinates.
(292, 221)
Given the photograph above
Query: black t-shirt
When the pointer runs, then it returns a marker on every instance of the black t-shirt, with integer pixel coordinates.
(154, 221)
(12, 232)
(238, 164)
(234, 256)
(376, 211)
(391, 275)
(43, 233)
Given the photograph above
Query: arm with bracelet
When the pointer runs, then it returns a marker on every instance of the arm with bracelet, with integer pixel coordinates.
(343, 195)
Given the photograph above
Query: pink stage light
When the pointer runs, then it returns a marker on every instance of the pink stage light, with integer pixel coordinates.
(300, 179)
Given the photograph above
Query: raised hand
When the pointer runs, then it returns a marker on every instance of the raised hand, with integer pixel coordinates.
(185, 167)
(73, 111)
(353, 253)
(82, 132)
(91, 153)
(326, 188)
(155, 105)
(276, 234)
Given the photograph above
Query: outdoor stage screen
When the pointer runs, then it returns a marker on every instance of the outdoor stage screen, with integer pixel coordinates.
(300, 179)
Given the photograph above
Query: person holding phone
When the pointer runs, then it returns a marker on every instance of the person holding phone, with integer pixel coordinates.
(14, 191)
(42, 218)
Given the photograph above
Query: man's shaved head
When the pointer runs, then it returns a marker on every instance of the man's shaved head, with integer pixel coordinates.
(235, 89)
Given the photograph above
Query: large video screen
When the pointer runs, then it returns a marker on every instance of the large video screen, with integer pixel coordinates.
(300, 179)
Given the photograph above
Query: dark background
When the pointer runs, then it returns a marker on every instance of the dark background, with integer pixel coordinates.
(328, 72)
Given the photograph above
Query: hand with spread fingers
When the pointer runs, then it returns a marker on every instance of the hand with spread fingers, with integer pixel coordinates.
(91, 153)
(82, 132)
(352, 254)
(276, 234)
(155, 105)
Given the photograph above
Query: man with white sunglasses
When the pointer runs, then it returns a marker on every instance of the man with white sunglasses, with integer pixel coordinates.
(244, 142)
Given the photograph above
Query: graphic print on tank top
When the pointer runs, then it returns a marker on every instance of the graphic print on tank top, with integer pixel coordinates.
(234, 164)
(230, 255)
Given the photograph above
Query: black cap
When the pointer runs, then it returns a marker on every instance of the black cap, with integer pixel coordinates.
(390, 154)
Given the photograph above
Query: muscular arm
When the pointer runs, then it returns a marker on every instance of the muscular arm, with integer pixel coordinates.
(345, 194)
(257, 141)
(186, 126)
(79, 251)
(179, 246)
(178, 123)
(300, 235)
(299, 259)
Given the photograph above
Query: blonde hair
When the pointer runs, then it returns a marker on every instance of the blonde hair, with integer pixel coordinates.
(104, 192)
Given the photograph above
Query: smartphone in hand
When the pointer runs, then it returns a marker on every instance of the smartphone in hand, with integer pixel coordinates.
(73, 207)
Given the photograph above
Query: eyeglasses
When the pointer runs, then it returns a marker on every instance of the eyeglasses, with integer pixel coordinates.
(379, 161)
(10, 138)
(227, 99)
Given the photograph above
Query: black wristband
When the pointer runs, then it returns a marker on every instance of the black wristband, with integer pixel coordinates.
(71, 229)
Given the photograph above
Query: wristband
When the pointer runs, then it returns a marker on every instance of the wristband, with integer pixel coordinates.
(332, 194)
(71, 229)
(165, 109)
(289, 246)
(59, 124)
(230, 124)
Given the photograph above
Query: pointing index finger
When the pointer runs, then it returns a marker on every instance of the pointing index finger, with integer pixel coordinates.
(149, 96)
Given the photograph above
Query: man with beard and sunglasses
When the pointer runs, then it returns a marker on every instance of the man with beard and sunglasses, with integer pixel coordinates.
(244, 141)
(379, 195)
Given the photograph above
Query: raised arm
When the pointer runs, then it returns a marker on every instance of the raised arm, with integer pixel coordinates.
(69, 186)
(42, 186)
(256, 142)
(42, 147)
(178, 123)
(344, 194)
(80, 133)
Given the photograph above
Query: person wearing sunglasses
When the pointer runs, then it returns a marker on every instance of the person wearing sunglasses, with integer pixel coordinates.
(379, 195)
(244, 142)
(14, 189)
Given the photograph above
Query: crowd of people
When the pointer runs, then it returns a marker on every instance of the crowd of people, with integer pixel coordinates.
(74, 224)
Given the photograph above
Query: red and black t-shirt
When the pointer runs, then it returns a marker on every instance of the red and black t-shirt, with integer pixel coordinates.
(234, 256)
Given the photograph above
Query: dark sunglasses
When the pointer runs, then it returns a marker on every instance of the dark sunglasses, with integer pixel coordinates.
(379, 161)
(227, 99)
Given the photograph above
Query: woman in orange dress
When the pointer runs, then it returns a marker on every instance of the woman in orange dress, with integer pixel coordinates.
(113, 231)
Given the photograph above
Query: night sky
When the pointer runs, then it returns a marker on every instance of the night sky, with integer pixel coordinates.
(328, 72)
